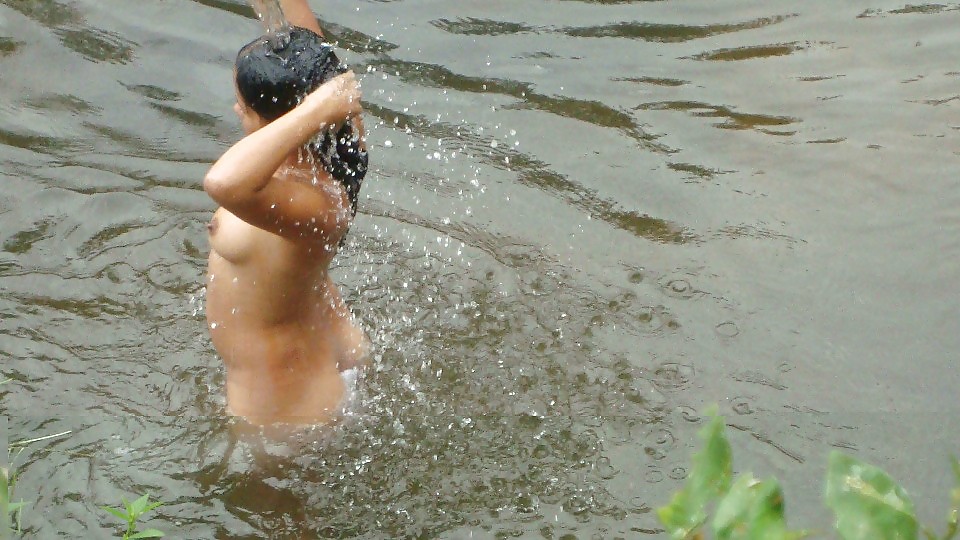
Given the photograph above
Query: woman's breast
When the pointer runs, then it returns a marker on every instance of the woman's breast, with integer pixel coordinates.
(231, 237)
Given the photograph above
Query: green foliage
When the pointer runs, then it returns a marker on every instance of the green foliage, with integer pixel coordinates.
(131, 512)
(868, 503)
(10, 512)
(752, 509)
(709, 477)
(953, 527)
(746, 508)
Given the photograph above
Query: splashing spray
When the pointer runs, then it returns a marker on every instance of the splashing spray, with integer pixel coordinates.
(271, 15)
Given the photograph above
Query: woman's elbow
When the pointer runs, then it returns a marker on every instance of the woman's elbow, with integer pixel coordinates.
(217, 188)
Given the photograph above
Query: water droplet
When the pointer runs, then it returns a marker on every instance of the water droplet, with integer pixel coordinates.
(388, 144)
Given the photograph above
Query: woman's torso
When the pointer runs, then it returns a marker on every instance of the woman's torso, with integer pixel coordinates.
(278, 323)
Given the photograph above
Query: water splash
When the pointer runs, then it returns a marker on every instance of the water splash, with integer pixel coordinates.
(271, 15)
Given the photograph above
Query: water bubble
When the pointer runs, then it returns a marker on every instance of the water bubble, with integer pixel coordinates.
(388, 144)
(604, 469)
(673, 375)
(728, 329)
(654, 476)
(689, 413)
(742, 406)
(679, 286)
(494, 143)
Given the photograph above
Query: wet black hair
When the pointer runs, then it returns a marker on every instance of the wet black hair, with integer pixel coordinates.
(275, 72)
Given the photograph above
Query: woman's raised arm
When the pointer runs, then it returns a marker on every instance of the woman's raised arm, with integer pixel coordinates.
(298, 13)
(243, 179)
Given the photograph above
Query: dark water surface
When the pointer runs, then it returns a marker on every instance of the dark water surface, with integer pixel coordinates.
(587, 221)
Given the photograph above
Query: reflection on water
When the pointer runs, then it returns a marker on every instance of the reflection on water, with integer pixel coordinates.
(666, 33)
(559, 257)
(732, 119)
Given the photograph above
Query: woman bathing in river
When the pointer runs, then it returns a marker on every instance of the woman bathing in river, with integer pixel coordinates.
(275, 316)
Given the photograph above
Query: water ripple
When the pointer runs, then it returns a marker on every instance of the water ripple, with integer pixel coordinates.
(645, 31)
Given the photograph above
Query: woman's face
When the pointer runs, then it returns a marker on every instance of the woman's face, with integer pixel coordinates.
(249, 119)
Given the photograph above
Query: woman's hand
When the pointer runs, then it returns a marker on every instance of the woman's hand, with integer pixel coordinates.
(339, 96)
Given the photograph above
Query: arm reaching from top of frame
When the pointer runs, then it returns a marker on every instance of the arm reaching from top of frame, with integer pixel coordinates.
(298, 13)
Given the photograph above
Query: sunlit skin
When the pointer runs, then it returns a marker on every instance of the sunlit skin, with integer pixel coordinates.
(275, 316)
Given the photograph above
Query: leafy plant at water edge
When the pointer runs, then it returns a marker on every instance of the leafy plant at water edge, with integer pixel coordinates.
(868, 503)
(9, 511)
(131, 512)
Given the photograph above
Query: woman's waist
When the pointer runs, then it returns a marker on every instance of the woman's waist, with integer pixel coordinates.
(279, 310)
(253, 344)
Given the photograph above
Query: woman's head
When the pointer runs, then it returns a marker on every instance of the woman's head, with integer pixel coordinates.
(273, 75)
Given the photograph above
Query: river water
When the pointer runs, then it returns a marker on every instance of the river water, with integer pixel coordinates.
(586, 221)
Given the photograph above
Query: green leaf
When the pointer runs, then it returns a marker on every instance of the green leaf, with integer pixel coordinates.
(678, 517)
(709, 478)
(149, 533)
(4, 510)
(118, 513)
(139, 506)
(752, 509)
(867, 503)
(953, 518)
(151, 506)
